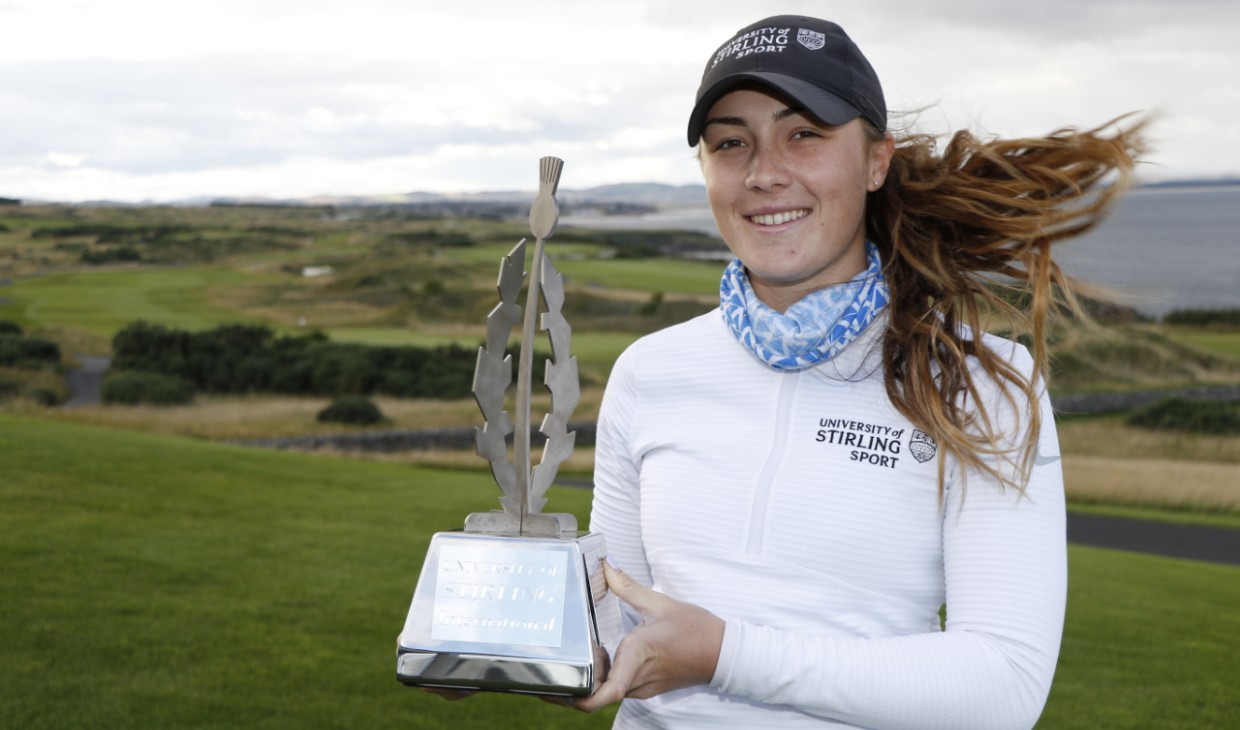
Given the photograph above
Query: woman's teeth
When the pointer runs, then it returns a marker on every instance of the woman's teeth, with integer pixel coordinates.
(775, 219)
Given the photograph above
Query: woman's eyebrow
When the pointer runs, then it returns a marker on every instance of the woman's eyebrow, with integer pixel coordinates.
(782, 114)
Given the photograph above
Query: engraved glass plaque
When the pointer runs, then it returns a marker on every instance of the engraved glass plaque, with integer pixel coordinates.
(517, 601)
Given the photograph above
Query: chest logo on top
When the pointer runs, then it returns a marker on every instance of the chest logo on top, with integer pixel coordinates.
(875, 444)
(922, 446)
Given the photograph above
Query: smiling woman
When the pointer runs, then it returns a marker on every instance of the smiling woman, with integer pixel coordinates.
(782, 482)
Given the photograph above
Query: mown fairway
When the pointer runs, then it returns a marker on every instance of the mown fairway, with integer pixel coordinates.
(102, 302)
(153, 581)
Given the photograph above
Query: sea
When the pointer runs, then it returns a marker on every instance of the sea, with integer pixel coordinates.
(1161, 249)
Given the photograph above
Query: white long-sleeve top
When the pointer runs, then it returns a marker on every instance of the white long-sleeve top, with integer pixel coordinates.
(803, 509)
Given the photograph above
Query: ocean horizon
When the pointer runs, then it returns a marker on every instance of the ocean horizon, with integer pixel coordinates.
(1160, 250)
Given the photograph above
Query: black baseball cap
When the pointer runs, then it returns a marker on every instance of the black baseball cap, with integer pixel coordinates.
(811, 61)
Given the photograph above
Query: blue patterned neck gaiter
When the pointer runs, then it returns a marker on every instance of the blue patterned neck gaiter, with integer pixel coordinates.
(813, 330)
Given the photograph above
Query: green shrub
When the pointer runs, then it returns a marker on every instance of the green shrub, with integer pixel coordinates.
(111, 255)
(135, 388)
(27, 352)
(1196, 416)
(353, 410)
(9, 328)
(1204, 317)
(249, 358)
(43, 395)
(8, 386)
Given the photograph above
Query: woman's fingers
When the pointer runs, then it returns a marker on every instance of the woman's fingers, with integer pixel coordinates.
(676, 645)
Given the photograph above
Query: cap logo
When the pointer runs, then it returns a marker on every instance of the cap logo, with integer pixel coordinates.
(811, 39)
(762, 40)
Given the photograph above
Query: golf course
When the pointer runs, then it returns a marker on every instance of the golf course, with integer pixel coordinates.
(159, 572)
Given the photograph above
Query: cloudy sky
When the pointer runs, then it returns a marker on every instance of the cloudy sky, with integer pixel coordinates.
(162, 100)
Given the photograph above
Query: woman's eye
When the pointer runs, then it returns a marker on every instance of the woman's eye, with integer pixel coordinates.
(805, 134)
(727, 144)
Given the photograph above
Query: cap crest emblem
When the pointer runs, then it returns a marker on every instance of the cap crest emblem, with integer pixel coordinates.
(811, 39)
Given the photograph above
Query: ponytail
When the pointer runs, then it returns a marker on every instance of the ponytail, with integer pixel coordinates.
(965, 238)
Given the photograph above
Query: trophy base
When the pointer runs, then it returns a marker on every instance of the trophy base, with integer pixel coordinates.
(529, 615)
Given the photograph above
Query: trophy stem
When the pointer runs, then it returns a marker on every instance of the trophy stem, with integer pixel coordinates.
(525, 375)
(522, 484)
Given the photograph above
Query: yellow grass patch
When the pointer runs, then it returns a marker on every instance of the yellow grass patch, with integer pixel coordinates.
(1153, 482)
(579, 466)
(255, 417)
(1111, 437)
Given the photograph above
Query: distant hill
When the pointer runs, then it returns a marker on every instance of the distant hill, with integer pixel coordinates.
(1193, 183)
(627, 198)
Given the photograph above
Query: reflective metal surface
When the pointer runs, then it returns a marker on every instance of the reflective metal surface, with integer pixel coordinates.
(511, 614)
(517, 602)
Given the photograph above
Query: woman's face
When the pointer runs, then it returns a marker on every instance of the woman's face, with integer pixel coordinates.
(788, 192)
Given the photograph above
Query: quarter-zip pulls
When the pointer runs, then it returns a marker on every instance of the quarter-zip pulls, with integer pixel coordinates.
(779, 445)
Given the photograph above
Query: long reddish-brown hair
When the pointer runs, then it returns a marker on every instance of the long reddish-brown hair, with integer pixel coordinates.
(966, 236)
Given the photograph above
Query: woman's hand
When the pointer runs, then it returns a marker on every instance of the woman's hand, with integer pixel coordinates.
(676, 645)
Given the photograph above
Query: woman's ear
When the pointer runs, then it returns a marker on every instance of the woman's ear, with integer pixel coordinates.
(880, 159)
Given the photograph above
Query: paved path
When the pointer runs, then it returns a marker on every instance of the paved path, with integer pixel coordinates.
(86, 382)
(1193, 542)
(1172, 540)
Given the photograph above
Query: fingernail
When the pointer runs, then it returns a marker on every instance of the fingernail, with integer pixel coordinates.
(612, 563)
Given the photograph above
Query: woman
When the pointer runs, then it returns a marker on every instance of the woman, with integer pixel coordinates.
(793, 486)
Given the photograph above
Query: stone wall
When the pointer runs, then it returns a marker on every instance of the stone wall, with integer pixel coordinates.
(462, 439)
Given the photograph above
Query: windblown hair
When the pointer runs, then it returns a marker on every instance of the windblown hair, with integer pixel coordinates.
(966, 236)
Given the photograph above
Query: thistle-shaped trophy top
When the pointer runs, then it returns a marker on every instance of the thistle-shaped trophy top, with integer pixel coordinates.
(545, 212)
(523, 486)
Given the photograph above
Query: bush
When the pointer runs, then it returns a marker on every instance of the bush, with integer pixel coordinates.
(43, 396)
(249, 358)
(27, 352)
(111, 255)
(8, 386)
(353, 410)
(9, 328)
(1204, 317)
(1195, 416)
(135, 388)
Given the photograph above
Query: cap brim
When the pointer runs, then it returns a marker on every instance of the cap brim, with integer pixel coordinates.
(821, 104)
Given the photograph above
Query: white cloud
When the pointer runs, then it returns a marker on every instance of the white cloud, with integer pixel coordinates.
(229, 97)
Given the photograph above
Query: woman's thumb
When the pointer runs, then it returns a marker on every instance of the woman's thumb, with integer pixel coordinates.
(626, 589)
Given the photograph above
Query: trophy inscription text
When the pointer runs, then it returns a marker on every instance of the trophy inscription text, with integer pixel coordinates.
(508, 596)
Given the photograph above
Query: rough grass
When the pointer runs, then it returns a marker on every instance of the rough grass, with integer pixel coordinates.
(1131, 357)
(1108, 436)
(1158, 483)
(224, 418)
(1109, 462)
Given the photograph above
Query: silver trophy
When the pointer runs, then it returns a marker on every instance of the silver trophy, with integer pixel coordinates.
(517, 601)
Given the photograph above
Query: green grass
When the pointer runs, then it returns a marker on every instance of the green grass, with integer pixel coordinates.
(1217, 342)
(597, 350)
(670, 276)
(1182, 517)
(102, 302)
(156, 582)
(151, 581)
(1149, 643)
